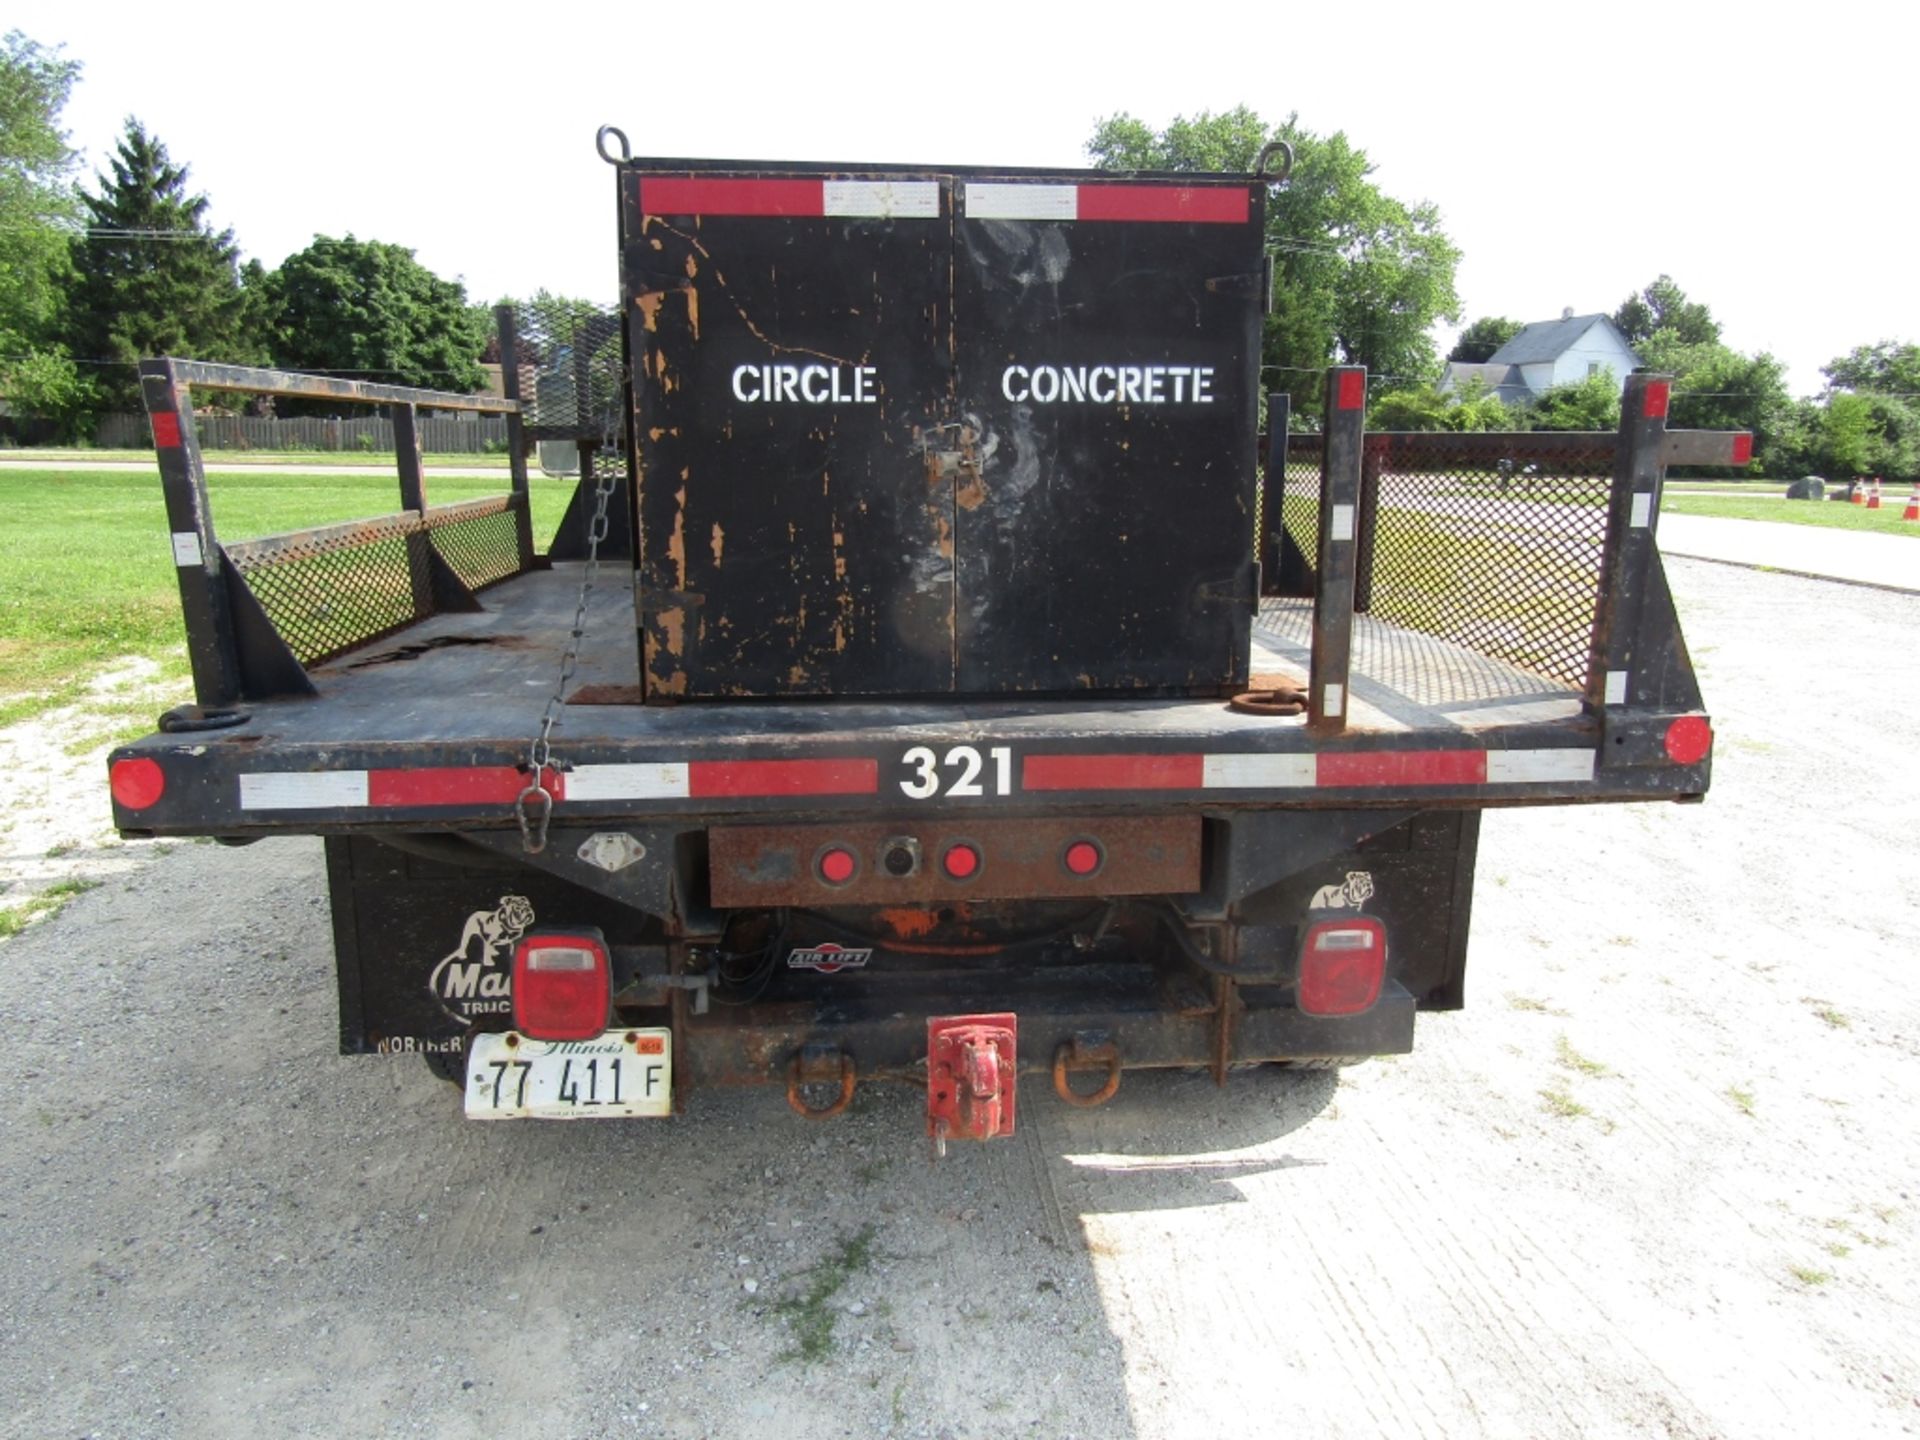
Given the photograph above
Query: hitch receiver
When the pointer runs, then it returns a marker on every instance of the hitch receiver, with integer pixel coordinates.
(971, 1069)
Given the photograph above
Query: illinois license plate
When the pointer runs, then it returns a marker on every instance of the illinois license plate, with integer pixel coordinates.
(620, 1073)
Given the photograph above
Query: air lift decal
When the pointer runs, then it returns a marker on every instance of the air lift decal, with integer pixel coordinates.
(828, 958)
(475, 978)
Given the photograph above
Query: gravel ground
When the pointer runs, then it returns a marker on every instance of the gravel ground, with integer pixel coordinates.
(1660, 1178)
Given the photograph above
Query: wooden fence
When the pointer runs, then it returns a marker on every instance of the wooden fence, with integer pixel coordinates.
(439, 434)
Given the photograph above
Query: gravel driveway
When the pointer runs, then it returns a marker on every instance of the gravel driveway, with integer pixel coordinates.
(1660, 1178)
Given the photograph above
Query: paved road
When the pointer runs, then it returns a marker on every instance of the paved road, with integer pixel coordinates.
(1889, 561)
(1659, 1179)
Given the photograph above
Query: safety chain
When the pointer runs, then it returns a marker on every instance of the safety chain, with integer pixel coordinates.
(533, 807)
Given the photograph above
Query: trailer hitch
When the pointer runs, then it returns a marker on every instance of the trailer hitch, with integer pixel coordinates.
(972, 1066)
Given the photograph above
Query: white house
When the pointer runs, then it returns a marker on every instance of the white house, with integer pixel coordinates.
(1548, 353)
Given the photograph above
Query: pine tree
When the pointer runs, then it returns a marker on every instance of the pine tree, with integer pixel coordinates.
(153, 277)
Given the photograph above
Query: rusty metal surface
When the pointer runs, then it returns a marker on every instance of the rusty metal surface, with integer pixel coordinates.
(790, 548)
(888, 1041)
(904, 518)
(1085, 1052)
(761, 865)
(972, 1076)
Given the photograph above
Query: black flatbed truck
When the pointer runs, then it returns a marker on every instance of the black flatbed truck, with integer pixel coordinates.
(990, 739)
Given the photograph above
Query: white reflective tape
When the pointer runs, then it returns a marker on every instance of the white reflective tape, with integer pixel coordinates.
(186, 548)
(1342, 526)
(1616, 687)
(1259, 772)
(303, 790)
(1335, 700)
(1022, 202)
(627, 782)
(893, 199)
(1642, 510)
(1513, 767)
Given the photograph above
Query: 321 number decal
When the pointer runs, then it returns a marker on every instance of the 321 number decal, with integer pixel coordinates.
(960, 774)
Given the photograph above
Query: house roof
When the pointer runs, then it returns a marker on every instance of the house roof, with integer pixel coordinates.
(1547, 340)
(1505, 381)
(1491, 373)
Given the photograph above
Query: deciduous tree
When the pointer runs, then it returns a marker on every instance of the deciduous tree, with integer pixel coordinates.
(1663, 307)
(38, 212)
(1361, 277)
(372, 311)
(1484, 336)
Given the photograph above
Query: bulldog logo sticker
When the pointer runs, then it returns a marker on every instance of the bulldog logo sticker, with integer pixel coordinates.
(1352, 894)
(476, 976)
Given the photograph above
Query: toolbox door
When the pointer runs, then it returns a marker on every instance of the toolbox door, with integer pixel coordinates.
(790, 337)
(1107, 358)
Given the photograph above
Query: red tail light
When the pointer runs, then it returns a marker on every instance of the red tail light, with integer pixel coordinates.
(562, 985)
(961, 861)
(136, 783)
(836, 865)
(1082, 858)
(1342, 966)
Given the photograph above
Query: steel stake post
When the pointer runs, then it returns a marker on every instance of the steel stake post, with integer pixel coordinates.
(1333, 591)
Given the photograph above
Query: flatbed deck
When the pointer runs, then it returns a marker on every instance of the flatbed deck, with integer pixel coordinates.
(486, 677)
(430, 728)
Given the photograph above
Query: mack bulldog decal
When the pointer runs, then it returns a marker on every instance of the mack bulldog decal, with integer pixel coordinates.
(476, 977)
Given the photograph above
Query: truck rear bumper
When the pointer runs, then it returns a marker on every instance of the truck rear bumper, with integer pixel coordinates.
(887, 1041)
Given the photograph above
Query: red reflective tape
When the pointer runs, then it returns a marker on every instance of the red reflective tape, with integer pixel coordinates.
(1353, 390)
(1194, 204)
(708, 778)
(1113, 772)
(671, 195)
(1742, 447)
(1402, 767)
(166, 429)
(466, 785)
(1657, 395)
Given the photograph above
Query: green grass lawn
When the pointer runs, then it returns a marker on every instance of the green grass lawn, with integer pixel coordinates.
(296, 459)
(1831, 514)
(87, 577)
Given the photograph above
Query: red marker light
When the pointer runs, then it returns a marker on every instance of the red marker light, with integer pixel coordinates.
(837, 865)
(961, 862)
(1689, 739)
(1083, 857)
(136, 783)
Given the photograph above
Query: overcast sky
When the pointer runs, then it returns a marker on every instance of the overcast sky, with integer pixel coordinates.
(1576, 152)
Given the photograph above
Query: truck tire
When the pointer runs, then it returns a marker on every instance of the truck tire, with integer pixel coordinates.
(449, 1065)
(1324, 1062)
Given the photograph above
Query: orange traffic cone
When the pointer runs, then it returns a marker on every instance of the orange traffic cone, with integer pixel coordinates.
(1873, 495)
(1912, 512)
(1857, 493)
